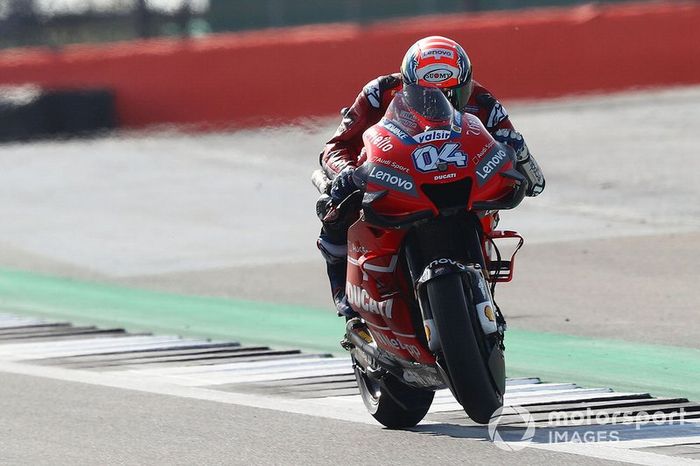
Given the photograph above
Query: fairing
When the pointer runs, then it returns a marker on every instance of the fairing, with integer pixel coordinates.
(442, 165)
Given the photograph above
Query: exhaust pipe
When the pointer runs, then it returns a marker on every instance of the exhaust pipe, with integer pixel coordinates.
(367, 355)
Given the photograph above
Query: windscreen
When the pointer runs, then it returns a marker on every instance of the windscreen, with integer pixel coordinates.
(417, 107)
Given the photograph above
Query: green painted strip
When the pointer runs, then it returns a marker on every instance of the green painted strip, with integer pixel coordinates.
(139, 310)
(661, 370)
(622, 365)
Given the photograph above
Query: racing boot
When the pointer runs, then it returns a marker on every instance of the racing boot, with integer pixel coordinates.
(336, 267)
(337, 274)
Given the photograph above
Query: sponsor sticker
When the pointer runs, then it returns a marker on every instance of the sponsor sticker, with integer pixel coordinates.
(382, 142)
(432, 135)
(438, 54)
(407, 115)
(390, 163)
(490, 164)
(438, 76)
(392, 179)
(359, 249)
(407, 119)
(473, 126)
(483, 151)
(438, 73)
(398, 344)
(396, 131)
(359, 297)
(446, 176)
(446, 261)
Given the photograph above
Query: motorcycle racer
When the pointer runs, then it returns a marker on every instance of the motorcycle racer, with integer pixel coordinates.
(436, 62)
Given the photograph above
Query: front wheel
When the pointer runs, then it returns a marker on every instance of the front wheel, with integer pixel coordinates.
(470, 377)
(391, 402)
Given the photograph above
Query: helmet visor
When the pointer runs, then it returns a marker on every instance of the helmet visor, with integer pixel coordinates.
(429, 102)
(459, 96)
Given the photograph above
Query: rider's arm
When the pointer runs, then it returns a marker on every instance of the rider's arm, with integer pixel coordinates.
(489, 110)
(344, 147)
(495, 118)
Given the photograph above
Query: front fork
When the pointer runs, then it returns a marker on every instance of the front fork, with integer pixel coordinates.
(489, 340)
(475, 280)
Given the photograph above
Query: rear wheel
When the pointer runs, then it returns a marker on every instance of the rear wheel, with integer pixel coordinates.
(391, 402)
(466, 362)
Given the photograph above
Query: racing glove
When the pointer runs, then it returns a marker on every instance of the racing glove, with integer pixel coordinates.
(525, 162)
(343, 185)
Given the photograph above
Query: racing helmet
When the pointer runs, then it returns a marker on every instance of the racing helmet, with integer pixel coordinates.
(440, 62)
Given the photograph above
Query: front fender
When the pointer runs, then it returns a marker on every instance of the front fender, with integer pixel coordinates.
(440, 267)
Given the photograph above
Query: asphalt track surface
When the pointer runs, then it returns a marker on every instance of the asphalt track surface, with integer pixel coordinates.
(611, 252)
(88, 424)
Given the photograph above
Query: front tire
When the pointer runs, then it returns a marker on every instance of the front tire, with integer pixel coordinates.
(470, 376)
(391, 402)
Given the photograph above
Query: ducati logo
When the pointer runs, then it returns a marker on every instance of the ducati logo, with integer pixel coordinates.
(359, 297)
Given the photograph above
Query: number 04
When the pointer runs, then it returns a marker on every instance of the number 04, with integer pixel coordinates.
(426, 158)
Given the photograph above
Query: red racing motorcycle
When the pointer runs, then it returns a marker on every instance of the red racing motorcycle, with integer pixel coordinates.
(423, 260)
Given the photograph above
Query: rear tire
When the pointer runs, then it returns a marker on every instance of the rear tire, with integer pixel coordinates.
(466, 364)
(391, 402)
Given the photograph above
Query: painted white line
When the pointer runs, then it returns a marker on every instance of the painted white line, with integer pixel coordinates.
(527, 396)
(583, 395)
(605, 451)
(522, 381)
(444, 401)
(268, 376)
(225, 379)
(10, 349)
(9, 321)
(512, 390)
(232, 368)
(99, 348)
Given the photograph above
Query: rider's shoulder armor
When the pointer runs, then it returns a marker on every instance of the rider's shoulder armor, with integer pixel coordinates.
(484, 105)
(381, 90)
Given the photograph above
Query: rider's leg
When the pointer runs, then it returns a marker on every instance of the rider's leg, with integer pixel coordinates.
(332, 242)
